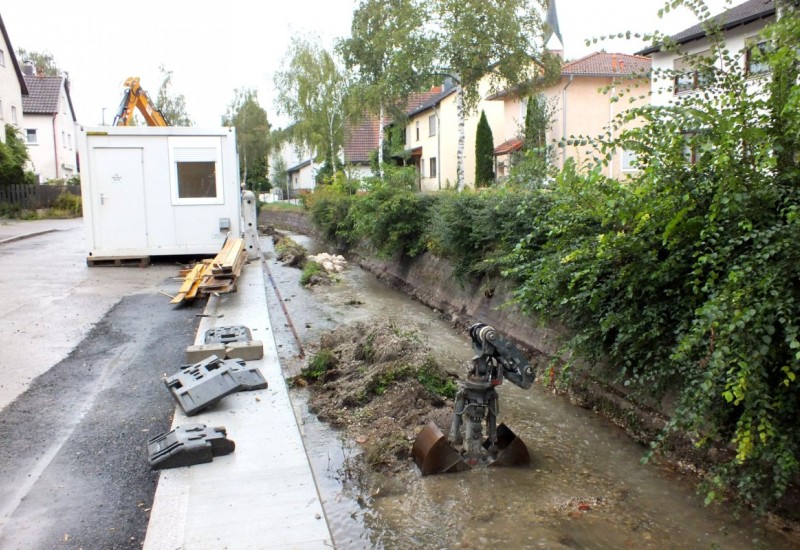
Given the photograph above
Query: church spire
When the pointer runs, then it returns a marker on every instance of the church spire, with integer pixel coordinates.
(551, 28)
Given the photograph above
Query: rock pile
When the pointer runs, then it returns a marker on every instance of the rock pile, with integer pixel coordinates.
(331, 264)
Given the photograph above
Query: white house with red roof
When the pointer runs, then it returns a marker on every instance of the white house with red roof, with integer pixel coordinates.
(49, 126)
(12, 84)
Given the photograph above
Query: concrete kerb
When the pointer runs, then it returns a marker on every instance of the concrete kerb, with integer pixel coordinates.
(263, 495)
(27, 235)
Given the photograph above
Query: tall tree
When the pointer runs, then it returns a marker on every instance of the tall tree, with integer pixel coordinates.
(252, 136)
(312, 92)
(484, 153)
(43, 62)
(172, 107)
(387, 49)
(279, 179)
(498, 39)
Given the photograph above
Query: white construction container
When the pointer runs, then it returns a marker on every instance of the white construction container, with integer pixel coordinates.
(153, 191)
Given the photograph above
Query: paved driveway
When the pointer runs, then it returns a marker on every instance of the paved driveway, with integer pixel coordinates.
(49, 298)
(83, 353)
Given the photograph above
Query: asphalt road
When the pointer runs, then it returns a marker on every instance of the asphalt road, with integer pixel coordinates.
(73, 460)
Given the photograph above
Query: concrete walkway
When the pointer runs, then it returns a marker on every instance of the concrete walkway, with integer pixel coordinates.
(13, 230)
(263, 495)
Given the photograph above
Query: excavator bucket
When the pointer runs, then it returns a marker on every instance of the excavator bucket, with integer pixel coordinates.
(511, 450)
(434, 454)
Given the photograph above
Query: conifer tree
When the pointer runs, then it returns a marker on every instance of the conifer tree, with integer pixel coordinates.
(484, 157)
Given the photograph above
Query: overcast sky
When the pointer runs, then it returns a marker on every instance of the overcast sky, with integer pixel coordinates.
(215, 46)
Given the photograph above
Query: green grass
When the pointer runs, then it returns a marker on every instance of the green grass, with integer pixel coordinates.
(312, 268)
(322, 361)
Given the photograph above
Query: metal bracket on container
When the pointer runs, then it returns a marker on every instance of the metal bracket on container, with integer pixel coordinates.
(196, 387)
(226, 335)
(188, 445)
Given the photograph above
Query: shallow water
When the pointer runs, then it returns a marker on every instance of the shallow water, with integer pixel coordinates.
(585, 488)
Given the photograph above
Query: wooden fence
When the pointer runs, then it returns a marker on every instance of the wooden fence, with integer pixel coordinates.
(34, 196)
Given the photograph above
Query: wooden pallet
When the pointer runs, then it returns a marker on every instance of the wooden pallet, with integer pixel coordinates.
(125, 261)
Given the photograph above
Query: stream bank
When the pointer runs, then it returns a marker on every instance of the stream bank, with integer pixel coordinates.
(585, 489)
(429, 280)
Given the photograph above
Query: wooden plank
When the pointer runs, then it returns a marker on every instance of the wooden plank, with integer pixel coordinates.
(187, 284)
(225, 260)
(198, 281)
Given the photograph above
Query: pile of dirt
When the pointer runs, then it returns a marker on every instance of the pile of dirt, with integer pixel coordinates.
(289, 251)
(381, 384)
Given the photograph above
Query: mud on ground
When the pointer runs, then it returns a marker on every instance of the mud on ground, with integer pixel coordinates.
(381, 384)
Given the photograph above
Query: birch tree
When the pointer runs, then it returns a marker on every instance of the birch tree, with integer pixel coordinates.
(172, 106)
(389, 53)
(498, 39)
(252, 137)
(312, 91)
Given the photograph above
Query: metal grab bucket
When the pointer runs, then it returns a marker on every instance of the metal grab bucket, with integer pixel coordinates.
(433, 454)
(511, 450)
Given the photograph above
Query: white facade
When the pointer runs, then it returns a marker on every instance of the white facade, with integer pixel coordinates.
(737, 41)
(159, 191)
(11, 85)
(51, 140)
(301, 170)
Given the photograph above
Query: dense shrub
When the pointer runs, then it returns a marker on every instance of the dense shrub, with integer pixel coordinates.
(393, 220)
(685, 277)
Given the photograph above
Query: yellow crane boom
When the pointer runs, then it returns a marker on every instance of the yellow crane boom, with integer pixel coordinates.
(135, 97)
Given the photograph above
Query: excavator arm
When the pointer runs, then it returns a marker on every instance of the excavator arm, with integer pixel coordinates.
(135, 97)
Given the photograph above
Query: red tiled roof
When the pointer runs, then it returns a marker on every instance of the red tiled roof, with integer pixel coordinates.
(607, 64)
(513, 144)
(361, 139)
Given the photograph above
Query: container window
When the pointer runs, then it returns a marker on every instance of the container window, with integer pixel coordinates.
(197, 180)
(196, 170)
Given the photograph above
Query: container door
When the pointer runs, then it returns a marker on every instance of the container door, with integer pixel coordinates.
(120, 222)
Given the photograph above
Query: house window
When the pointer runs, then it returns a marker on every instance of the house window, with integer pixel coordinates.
(417, 126)
(422, 168)
(432, 125)
(755, 57)
(30, 136)
(629, 161)
(2, 58)
(14, 114)
(691, 72)
(432, 166)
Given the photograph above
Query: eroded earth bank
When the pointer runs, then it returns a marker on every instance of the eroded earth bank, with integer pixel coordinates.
(377, 367)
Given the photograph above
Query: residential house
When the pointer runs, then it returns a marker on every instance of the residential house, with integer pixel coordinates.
(582, 104)
(432, 136)
(741, 25)
(50, 126)
(361, 139)
(300, 171)
(12, 84)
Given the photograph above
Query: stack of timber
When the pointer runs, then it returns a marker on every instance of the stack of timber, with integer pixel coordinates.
(217, 275)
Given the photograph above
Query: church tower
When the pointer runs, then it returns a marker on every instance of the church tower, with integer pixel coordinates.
(552, 38)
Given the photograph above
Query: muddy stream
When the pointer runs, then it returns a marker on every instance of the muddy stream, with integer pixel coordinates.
(585, 488)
